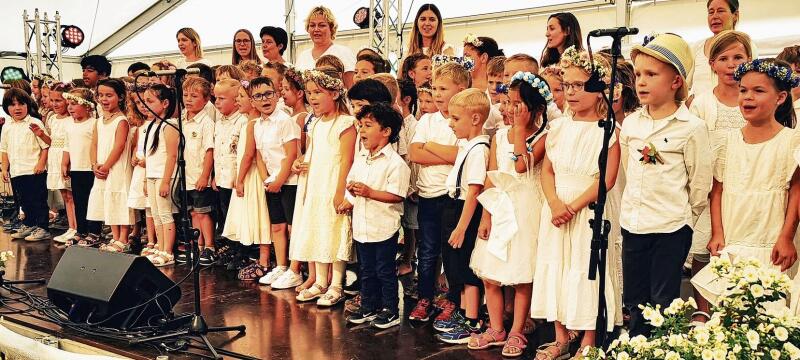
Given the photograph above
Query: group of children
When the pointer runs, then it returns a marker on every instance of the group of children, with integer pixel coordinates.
(486, 176)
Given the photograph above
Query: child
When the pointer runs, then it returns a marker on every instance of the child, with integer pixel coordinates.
(108, 201)
(376, 186)
(507, 256)
(408, 105)
(226, 139)
(494, 72)
(229, 72)
(137, 200)
(417, 67)
(368, 65)
(433, 131)
(365, 92)
(519, 62)
(161, 153)
(426, 104)
(552, 74)
(199, 155)
(293, 95)
(251, 225)
(56, 180)
(24, 145)
(481, 49)
(250, 68)
(791, 55)
(569, 182)
(666, 142)
(764, 150)
(332, 138)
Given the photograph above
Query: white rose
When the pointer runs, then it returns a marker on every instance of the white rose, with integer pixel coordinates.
(776, 354)
(794, 352)
(756, 290)
(671, 355)
(719, 354)
(781, 333)
(623, 356)
(702, 336)
(657, 320)
(753, 338)
(708, 354)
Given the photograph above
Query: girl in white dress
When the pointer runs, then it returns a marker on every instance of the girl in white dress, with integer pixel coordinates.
(512, 200)
(57, 123)
(108, 201)
(137, 200)
(570, 182)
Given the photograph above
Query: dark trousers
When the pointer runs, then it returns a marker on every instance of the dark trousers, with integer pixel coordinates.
(378, 274)
(456, 261)
(32, 192)
(82, 182)
(652, 271)
(224, 203)
(429, 245)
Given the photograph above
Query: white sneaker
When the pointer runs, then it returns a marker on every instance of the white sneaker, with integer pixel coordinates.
(70, 233)
(273, 275)
(38, 234)
(288, 280)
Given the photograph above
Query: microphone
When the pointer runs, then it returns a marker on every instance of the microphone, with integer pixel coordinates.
(173, 72)
(620, 31)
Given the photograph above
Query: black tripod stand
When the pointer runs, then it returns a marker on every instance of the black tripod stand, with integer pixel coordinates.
(198, 328)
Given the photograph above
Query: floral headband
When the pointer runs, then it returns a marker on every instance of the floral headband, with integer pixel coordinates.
(326, 81)
(58, 86)
(536, 82)
(425, 89)
(465, 61)
(245, 84)
(571, 57)
(501, 88)
(78, 99)
(776, 71)
(472, 40)
(295, 75)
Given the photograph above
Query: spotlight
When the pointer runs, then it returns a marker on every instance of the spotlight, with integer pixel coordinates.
(71, 36)
(361, 17)
(11, 73)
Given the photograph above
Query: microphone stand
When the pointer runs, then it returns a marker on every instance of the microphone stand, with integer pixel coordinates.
(198, 327)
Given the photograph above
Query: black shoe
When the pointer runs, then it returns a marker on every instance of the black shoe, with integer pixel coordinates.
(386, 319)
(352, 283)
(362, 316)
(182, 257)
(208, 257)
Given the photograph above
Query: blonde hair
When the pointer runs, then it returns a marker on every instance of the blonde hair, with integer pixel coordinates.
(474, 101)
(496, 66)
(390, 82)
(534, 65)
(455, 73)
(250, 67)
(330, 61)
(328, 15)
(228, 83)
(232, 71)
(197, 82)
(601, 107)
(725, 39)
(552, 71)
(194, 37)
(86, 94)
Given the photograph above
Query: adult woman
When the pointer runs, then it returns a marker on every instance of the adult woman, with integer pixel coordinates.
(722, 15)
(273, 44)
(563, 31)
(321, 26)
(244, 47)
(189, 45)
(427, 35)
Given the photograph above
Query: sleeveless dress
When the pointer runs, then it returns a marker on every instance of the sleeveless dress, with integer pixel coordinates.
(108, 201)
(563, 291)
(58, 135)
(136, 198)
(248, 218)
(509, 255)
(319, 233)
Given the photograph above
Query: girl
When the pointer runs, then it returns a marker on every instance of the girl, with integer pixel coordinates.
(294, 97)
(44, 106)
(791, 55)
(324, 168)
(110, 158)
(481, 49)
(76, 163)
(229, 72)
(722, 15)
(57, 180)
(426, 104)
(569, 183)
(427, 35)
(563, 31)
(417, 67)
(507, 258)
(161, 153)
(252, 225)
(244, 47)
(189, 45)
(755, 174)
(552, 74)
(137, 200)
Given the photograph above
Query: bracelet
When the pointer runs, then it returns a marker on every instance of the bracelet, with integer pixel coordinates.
(515, 156)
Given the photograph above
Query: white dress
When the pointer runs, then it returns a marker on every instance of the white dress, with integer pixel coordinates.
(58, 135)
(136, 198)
(108, 201)
(509, 255)
(561, 288)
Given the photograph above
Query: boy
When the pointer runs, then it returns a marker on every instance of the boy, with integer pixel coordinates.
(408, 106)
(199, 154)
(657, 216)
(462, 212)
(495, 69)
(434, 148)
(226, 139)
(367, 65)
(376, 186)
(95, 68)
(368, 91)
(275, 72)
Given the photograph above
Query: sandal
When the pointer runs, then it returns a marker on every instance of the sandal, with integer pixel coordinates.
(90, 240)
(545, 351)
(162, 258)
(150, 248)
(251, 272)
(574, 335)
(314, 292)
(579, 353)
(697, 323)
(115, 246)
(487, 339)
(73, 241)
(331, 297)
(515, 345)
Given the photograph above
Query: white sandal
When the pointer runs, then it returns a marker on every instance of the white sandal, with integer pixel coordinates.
(162, 258)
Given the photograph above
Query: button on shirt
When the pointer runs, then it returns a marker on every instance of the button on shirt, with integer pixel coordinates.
(662, 198)
(474, 157)
(271, 135)
(22, 145)
(431, 178)
(226, 139)
(199, 134)
(375, 221)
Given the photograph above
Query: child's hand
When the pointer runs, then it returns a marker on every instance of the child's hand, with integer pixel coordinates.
(485, 227)
(360, 189)
(65, 172)
(39, 132)
(99, 174)
(240, 188)
(201, 184)
(6, 178)
(522, 117)
(298, 166)
(784, 254)
(715, 245)
(561, 213)
(344, 207)
(337, 202)
(214, 185)
(142, 162)
(457, 237)
(40, 168)
(272, 187)
(163, 190)
(144, 188)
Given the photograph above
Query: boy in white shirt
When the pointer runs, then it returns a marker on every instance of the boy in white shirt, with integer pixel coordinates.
(376, 186)
(226, 139)
(668, 177)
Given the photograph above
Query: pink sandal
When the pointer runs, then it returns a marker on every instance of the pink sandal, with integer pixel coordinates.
(487, 339)
(515, 345)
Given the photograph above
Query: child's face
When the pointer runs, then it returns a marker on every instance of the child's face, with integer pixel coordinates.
(443, 90)
(18, 110)
(759, 98)
(656, 82)
(363, 70)
(264, 98)
(77, 111)
(426, 104)
(108, 99)
(322, 101)
(225, 100)
(273, 75)
(154, 103)
(725, 64)
(193, 100)
(290, 96)
(512, 67)
(582, 103)
(494, 80)
(142, 109)
(90, 76)
(36, 88)
(372, 134)
(515, 105)
(422, 72)
(45, 100)
(557, 89)
(58, 103)
(462, 121)
(358, 105)
(506, 109)
(243, 101)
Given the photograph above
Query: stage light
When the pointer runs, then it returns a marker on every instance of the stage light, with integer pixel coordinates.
(71, 36)
(11, 73)
(361, 17)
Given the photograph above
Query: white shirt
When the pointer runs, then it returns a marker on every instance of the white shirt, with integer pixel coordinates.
(375, 221)
(475, 159)
(406, 134)
(211, 111)
(495, 120)
(306, 61)
(78, 142)
(199, 134)
(271, 135)
(433, 127)
(662, 198)
(226, 139)
(156, 161)
(22, 145)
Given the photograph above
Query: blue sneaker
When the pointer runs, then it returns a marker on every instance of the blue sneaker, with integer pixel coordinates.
(459, 335)
(445, 325)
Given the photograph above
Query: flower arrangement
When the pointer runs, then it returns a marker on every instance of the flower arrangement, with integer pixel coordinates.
(473, 40)
(771, 69)
(77, 99)
(536, 82)
(467, 62)
(4, 257)
(650, 155)
(572, 57)
(324, 80)
(744, 324)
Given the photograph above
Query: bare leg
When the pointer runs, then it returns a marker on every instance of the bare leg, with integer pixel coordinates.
(522, 304)
(472, 297)
(69, 206)
(281, 244)
(494, 303)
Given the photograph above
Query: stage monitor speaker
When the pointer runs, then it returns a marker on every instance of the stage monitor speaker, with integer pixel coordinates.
(111, 288)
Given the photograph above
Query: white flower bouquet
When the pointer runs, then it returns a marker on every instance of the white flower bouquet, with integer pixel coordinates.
(5, 256)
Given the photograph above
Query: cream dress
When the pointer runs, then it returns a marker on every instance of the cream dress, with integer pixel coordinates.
(136, 198)
(320, 234)
(58, 135)
(108, 200)
(561, 288)
(509, 255)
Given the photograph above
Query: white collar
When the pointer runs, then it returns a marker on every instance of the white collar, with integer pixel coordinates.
(682, 114)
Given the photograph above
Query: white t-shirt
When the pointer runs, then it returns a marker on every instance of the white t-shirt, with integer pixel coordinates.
(156, 161)
(22, 145)
(475, 159)
(271, 135)
(433, 127)
(199, 134)
(226, 140)
(78, 142)
(306, 60)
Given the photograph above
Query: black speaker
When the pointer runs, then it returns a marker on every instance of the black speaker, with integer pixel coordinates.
(113, 289)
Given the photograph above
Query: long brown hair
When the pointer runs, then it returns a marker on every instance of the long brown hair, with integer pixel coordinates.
(236, 58)
(570, 25)
(415, 45)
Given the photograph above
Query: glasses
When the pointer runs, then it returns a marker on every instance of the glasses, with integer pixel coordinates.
(264, 96)
(242, 41)
(578, 86)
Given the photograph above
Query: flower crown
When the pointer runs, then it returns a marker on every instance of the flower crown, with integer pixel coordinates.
(467, 62)
(501, 88)
(572, 57)
(536, 82)
(295, 75)
(245, 84)
(472, 40)
(78, 99)
(776, 71)
(326, 81)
